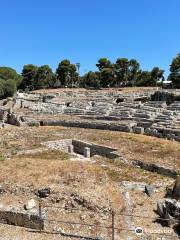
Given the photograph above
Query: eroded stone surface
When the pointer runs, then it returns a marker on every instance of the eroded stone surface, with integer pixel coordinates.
(98, 110)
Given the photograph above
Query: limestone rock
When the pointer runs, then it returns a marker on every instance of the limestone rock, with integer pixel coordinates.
(176, 189)
(30, 204)
(149, 190)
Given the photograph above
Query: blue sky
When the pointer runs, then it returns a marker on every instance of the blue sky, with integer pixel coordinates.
(47, 31)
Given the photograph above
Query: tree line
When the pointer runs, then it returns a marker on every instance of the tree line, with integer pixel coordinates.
(124, 72)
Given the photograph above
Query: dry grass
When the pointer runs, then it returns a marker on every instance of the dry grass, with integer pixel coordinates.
(99, 182)
(47, 155)
(132, 146)
(146, 148)
(123, 90)
(44, 167)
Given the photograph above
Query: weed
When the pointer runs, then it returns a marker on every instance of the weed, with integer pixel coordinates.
(2, 158)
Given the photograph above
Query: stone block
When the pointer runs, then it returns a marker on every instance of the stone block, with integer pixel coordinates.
(28, 219)
(138, 130)
(71, 149)
(87, 152)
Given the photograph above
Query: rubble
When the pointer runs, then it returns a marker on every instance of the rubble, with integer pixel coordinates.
(30, 204)
(169, 209)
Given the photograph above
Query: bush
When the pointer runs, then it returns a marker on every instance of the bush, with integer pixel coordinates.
(9, 88)
(90, 80)
(8, 73)
(2, 88)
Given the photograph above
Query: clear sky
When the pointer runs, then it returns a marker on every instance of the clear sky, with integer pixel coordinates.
(47, 31)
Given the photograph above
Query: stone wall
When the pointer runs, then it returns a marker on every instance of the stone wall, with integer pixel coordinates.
(161, 132)
(95, 149)
(79, 147)
(155, 168)
(22, 219)
(93, 125)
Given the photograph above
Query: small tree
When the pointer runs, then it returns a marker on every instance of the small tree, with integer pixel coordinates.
(103, 63)
(9, 88)
(66, 73)
(8, 73)
(121, 69)
(44, 77)
(143, 79)
(174, 75)
(2, 83)
(133, 69)
(107, 77)
(90, 79)
(157, 74)
(28, 77)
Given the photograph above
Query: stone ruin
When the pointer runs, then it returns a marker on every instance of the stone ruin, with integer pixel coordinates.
(22, 218)
(78, 147)
(169, 209)
(110, 110)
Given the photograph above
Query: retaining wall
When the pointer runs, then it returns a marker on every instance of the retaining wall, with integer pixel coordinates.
(93, 125)
(156, 168)
(173, 134)
(22, 219)
(95, 149)
(79, 147)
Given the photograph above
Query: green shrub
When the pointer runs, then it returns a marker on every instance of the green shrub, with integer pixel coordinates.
(9, 88)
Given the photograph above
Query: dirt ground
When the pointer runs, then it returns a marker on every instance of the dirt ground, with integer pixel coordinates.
(94, 187)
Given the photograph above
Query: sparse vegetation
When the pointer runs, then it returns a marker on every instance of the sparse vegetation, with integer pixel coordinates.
(47, 155)
(2, 158)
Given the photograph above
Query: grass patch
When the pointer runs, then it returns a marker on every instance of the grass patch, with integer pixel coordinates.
(2, 158)
(48, 155)
(117, 171)
(113, 175)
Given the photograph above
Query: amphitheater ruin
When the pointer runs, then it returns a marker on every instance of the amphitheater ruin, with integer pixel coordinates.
(111, 110)
(83, 182)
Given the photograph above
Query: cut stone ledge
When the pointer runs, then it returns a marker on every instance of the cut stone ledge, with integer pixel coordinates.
(22, 218)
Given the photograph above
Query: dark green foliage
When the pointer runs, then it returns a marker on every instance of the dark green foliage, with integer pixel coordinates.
(157, 75)
(103, 63)
(106, 72)
(107, 77)
(133, 69)
(175, 78)
(9, 81)
(126, 72)
(143, 78)
(7, 88)
(1, 88)
(122, 73)
(146, 78)
(8, 73)
(174, 75)
(67, 74)
(91, 79)
(28, 77)
(44, 78)
(10, 88)
(37, 77)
